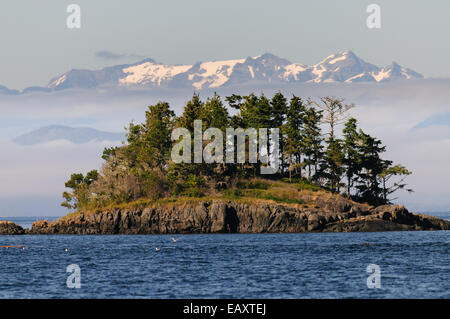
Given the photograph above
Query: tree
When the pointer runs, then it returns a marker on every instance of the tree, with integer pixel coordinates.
(372, 165)
(332, 164)
(312, 141)
(262, 115)
(79, 196)
(292, 130)
(157, 142)
(194, 110)
(279, 109)
(253, 112)
(246, 107)
(387, 174)
(216, 113)
(180, 173)
(217, 116)
(334, 112)
(352, 160)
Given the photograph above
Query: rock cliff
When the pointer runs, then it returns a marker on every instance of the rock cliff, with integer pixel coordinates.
(335, 214)
(10, 228)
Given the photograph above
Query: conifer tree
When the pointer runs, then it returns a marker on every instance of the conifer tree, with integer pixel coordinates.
(332, 165)
(387, 174)
(159, 122)
(216, 113)
(279, 109)
(335, 113)
(194, 110)
(372, 165)
(293, 131)
(312, 141)
(352, 160)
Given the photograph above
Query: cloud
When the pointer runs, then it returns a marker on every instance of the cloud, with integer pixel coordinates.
(108, 55)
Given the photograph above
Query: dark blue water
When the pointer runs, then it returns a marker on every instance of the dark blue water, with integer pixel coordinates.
(327, 265)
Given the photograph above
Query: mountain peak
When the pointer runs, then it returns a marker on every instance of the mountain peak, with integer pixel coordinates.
(344, 66)
(348, 52)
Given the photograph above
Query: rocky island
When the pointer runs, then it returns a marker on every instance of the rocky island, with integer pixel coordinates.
(321, 181)
(235, 217)
(328, 214)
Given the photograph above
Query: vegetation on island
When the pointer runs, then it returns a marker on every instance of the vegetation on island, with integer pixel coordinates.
(321, 149)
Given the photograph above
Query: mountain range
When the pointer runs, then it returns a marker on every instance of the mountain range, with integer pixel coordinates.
(344, 67)
(77, 135)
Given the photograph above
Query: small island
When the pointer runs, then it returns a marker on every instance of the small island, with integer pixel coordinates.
(325, 179)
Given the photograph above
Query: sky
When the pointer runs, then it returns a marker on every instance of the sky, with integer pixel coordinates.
(37, 45)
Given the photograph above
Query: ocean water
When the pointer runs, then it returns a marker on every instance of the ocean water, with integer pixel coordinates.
(316, 265)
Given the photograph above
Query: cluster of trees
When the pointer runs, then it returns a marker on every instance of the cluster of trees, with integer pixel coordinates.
(311, 149)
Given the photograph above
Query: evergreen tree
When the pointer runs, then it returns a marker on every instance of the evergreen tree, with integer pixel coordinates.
(293, 131)
(262, 115)
(194, 110)
(279, 109)
(312, 140)
(387, 174)
(253, 112)
(216, 114)
(335, 113)
(352, 159)
(332, 165)
(372, 166)
(159, 122)
(79, 196)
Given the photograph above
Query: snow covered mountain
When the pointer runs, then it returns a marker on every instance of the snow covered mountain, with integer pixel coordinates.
(267, 68)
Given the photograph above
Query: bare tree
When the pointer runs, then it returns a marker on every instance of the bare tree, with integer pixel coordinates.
(334, 112)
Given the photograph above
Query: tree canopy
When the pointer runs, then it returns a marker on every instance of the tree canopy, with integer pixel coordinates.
(311, 149)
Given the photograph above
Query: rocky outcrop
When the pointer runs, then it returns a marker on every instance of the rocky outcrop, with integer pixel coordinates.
(10, 228)
(333, 214)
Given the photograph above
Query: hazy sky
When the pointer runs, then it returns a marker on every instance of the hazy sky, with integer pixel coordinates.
(37, 45)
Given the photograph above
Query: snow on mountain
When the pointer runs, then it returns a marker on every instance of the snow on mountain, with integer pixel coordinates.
(212, 74)
(151, 73)
(267, 68)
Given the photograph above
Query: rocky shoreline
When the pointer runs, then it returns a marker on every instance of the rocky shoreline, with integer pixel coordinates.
(10, 228)
(335, 214)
